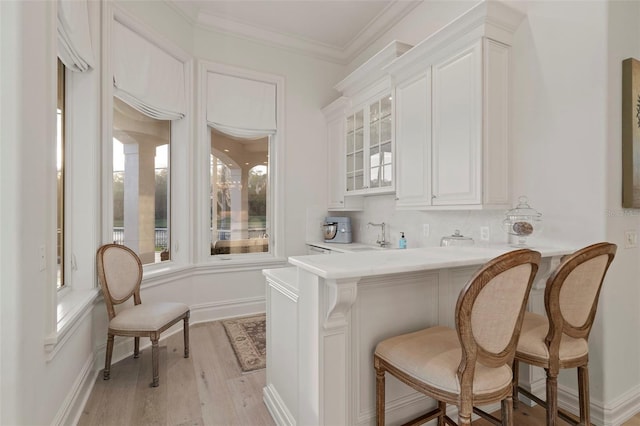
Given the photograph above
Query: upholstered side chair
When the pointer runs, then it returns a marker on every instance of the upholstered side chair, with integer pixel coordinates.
(120, 275)
(471, 365)
(560, 339)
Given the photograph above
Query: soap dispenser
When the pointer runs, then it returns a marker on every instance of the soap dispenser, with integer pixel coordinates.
(403, 241)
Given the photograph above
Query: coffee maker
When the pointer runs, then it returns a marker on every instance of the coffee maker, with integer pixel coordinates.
(337, 229)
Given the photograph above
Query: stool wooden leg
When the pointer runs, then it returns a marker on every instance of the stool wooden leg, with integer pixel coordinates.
(515, 371)
(583, 390)
(464, 413)
(552, 398)
(155, 362)
(442, 406)
(379, 393)
(507, 411)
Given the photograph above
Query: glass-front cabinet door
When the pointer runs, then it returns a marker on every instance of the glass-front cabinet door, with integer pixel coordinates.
(369, 153)
(355, 151)
(380, 152)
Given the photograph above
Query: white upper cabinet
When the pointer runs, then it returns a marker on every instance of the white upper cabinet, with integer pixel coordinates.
(413, 128)
(456, 112)
(369, 155)
(452, 121)
(364, 153)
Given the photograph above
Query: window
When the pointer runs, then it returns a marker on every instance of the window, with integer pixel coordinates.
(243, 149)
(60, 175)
(239, 194)
(141, 182)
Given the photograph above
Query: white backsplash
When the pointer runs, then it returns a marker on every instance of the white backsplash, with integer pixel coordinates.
(382, 209)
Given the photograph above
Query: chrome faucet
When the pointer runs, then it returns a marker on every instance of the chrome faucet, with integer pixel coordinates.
(382, 242)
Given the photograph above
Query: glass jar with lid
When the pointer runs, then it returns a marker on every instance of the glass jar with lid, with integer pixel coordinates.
(457, 239)
(522, 222)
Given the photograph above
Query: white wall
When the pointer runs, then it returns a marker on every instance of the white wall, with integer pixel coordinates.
(621, 296)
(33, 389)
(566, 62)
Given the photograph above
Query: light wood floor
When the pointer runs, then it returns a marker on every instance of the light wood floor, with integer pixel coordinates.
(206, 389)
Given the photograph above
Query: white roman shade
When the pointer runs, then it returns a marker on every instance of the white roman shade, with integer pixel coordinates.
(146, 77)
(74, 38)
(241, 107)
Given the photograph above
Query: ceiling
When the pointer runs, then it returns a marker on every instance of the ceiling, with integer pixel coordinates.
(335, 30)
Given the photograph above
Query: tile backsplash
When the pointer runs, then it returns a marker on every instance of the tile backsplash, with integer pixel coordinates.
(440, 223)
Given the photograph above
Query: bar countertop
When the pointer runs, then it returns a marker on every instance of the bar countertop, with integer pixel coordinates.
(393, 261)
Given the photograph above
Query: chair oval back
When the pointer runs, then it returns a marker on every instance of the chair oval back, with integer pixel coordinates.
(572, 292)
(491, 307)
(119, 273)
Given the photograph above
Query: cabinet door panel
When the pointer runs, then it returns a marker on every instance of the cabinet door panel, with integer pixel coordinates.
(380, 151)
(355, 152)
(413, 142)
(457, 128)
(496, 118)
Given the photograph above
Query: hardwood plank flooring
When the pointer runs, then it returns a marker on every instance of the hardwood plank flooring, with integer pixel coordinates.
(206, 389)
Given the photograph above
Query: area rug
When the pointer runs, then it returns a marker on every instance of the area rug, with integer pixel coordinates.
(247, 336)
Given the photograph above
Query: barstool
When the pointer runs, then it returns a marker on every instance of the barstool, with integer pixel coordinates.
(471, 365)
(560, 340)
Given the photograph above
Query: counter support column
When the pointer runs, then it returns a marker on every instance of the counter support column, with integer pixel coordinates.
(335, 361)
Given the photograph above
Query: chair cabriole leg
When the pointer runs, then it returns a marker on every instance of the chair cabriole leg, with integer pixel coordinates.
(107, 358)
(583, 390)
(186, 335)
(155, 362)
(136, 347)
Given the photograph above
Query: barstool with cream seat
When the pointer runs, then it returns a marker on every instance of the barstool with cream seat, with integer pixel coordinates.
(471, 365)
(560, 339)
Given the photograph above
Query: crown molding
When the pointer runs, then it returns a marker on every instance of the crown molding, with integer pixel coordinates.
(343, 55)
(382, 23)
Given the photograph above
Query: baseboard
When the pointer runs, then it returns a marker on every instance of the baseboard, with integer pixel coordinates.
(614, 413)
(622, 408)
(215, 311)
(277, 408)
(72, 406)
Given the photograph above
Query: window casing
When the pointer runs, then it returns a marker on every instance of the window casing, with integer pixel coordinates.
(60, 178)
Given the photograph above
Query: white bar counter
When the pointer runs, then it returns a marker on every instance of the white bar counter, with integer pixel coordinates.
(394, 261)
(325, 315)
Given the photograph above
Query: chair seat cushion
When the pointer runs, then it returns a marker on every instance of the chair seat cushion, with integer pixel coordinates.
(534, 331)
(147, 316)
(432, 356)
